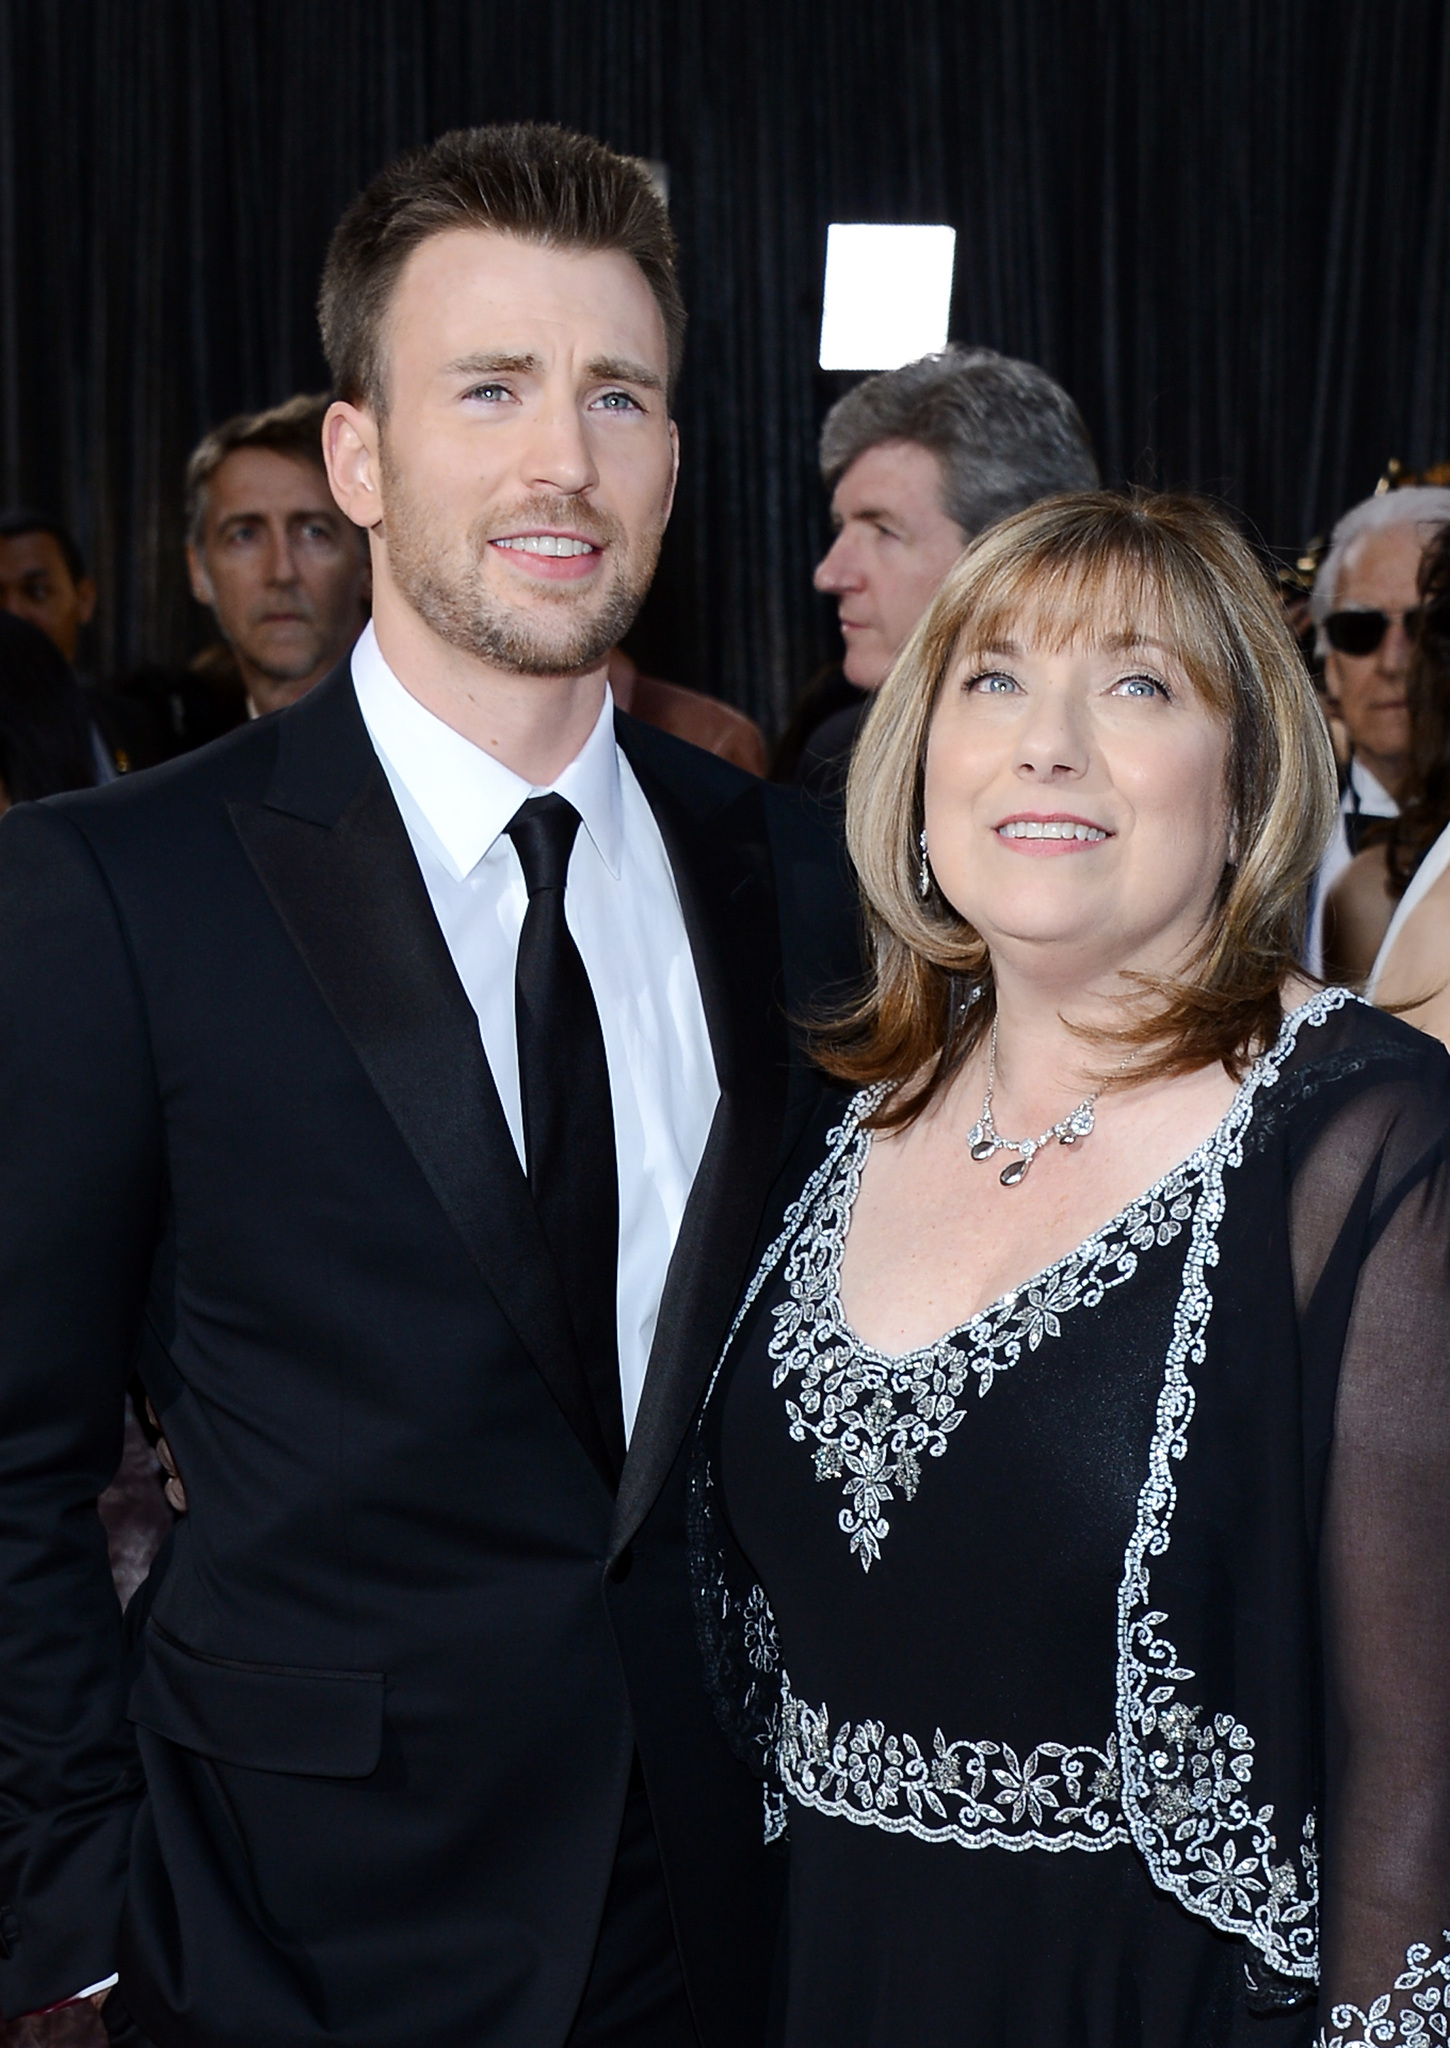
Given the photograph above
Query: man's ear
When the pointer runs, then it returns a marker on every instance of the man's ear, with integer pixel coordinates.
(674, 471)
(201, 588)
(86, 599)
(350, 450)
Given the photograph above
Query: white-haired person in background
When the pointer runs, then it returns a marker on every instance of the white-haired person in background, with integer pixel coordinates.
(1364, 595)
(1397, 892)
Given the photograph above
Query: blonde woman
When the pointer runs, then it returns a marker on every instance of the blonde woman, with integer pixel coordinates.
(1072, 1506)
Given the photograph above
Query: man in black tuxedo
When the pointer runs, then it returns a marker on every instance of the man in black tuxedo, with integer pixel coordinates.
(399, 1085)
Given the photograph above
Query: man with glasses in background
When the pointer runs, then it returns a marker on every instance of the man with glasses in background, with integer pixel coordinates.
(1364, 606)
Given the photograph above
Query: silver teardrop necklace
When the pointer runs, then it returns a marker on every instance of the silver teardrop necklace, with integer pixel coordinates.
(985, 1140)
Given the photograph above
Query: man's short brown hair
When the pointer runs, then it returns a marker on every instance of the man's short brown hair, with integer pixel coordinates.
(292, 428)
(540, 183)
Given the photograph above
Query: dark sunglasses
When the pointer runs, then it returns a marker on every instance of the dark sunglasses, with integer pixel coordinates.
(1361, 632)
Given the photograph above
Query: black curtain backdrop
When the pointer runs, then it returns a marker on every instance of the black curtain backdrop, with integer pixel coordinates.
(1222, 223)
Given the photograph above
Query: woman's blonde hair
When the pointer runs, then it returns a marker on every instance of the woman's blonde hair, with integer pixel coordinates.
(1098, 569)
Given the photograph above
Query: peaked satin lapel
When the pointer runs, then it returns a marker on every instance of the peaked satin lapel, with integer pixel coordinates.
(725, 878)
(333, 854)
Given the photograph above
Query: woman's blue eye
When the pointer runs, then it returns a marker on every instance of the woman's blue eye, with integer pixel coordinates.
(1142, 686)
(993, 685)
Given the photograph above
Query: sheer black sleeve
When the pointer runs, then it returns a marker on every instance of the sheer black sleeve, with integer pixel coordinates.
(1386, 1570)
(736, 1632)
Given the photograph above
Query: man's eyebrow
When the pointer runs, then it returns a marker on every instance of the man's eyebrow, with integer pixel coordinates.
(623, 370)
(865, 515)
(492, 362)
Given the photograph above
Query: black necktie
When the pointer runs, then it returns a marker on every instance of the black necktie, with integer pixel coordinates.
(568, 1121)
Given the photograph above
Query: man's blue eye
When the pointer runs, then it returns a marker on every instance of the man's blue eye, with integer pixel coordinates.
(619, 401)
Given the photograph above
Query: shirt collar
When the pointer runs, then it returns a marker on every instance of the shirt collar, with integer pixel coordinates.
(1375, 800)
(464, 794)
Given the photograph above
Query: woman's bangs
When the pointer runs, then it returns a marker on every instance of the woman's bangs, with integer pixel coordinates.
(1050, 601)
(1097, 598)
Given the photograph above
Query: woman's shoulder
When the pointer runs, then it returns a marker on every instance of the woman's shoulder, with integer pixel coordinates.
(1357, 914)
(1339, 1059)
(1330, 1020)
(1366, 875)
(816, 1142)
(1417, 968)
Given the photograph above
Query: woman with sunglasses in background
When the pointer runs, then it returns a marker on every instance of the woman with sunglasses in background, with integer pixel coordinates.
(1364, 606)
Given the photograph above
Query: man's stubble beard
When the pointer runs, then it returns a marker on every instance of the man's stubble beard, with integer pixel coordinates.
(443, 579)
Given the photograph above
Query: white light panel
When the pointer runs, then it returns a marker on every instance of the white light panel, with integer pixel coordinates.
(888, 295)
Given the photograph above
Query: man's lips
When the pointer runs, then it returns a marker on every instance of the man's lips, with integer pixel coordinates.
(550, 553)
(1042, 835)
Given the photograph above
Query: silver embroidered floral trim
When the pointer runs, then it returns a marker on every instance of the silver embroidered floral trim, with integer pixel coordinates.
(859, 1107)
(757, 1622)
(977, 1794)
(1424, 2020)
(874, 1418)
(1187, 1776)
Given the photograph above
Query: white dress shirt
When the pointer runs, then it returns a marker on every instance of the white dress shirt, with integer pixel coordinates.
(1366, 796)
(623, 910)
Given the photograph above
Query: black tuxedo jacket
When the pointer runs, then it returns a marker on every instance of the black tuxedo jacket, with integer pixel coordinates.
(358, 1777)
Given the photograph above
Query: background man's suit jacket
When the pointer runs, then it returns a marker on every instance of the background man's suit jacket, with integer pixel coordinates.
(384, 1701)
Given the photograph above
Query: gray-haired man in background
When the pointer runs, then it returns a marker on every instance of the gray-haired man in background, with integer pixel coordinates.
(270, 553)
(918, 462)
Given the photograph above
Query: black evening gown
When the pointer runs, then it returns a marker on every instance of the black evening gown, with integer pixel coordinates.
(1096, 1658)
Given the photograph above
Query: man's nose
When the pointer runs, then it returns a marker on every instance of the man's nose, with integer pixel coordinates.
(837, 569)
(1394, 649)
(281, 558)
(557, 455)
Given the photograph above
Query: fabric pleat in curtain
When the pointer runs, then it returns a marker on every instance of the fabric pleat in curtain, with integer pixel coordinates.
(1222, 223)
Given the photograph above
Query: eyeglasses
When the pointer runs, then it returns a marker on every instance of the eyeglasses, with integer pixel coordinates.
(1361, 632)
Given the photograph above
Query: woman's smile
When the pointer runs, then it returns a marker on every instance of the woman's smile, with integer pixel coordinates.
(1048, 836)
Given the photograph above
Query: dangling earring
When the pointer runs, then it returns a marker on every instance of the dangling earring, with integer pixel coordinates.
(924, 880)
